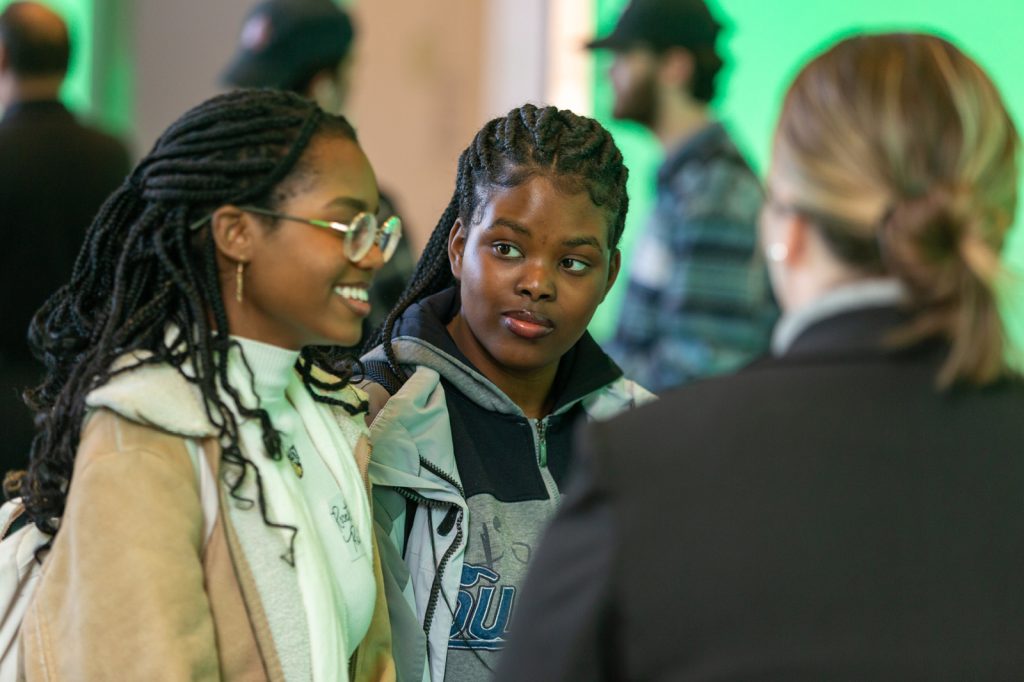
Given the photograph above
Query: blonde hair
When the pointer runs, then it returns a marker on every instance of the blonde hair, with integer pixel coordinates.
(902, 147)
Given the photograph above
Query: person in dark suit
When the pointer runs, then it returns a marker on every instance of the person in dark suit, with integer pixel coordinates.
(54, 175)
(852, 507)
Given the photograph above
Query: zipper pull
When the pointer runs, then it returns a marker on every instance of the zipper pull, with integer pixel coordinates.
(542, 445)
(449, 521)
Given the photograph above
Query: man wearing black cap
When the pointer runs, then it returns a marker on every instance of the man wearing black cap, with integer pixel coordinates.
(698, 301)
(305, 46)
(298, 45)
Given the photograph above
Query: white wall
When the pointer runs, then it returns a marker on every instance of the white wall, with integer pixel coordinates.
(427, 76)
(515, 57)
(180, 48)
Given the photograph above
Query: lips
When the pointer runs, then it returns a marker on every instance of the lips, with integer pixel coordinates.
(527, 324)
(355, 297)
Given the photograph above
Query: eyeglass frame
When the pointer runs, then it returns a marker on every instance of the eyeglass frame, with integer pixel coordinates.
(343, 228)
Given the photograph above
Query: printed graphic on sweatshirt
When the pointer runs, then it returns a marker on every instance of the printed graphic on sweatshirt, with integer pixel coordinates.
(293, 457)
(500, 542)
(483, 610)
(342, 518)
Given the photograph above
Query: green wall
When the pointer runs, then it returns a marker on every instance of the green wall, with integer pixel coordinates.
(765, 43)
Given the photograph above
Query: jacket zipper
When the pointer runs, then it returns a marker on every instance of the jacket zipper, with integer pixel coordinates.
(541, 427)
(435, 588)
(452, 518)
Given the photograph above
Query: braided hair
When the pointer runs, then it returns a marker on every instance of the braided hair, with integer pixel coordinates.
(144, 270)
(574, 152)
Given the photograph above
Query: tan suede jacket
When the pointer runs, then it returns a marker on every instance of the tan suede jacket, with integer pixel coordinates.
(131, 589)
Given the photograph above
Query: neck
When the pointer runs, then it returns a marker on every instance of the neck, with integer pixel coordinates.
(529, 389)
(531, 393)
(16, 90)
(272, 368)
(679, 118)
(812, 283)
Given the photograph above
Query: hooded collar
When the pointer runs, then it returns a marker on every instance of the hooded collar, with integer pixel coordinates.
(421, 338)
(160, 395)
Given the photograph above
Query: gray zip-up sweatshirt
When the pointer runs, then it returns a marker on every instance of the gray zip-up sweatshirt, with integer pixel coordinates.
(464, 484)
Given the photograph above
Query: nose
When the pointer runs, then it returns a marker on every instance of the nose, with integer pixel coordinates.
(536, 282)
(373, 260)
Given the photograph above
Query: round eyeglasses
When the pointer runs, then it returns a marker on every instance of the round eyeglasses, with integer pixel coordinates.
(361, 233)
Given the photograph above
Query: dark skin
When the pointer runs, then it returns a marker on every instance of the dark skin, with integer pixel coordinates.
(531, 272)
(298, 284)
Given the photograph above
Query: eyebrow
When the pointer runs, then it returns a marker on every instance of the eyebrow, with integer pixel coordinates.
(583, 241)
(351, 202)
(572, 242)
(510, 224)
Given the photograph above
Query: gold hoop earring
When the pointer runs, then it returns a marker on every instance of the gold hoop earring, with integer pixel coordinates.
(239, 281)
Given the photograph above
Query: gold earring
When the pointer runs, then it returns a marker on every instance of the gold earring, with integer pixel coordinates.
(239, 280)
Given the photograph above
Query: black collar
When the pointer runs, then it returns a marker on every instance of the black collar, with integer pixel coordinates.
(860, 333)
(34, 109)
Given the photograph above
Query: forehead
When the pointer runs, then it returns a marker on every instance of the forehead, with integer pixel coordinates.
(545, 209)
(334, 165)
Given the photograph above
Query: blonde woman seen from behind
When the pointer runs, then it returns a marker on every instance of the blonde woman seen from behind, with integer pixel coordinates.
(849, 508)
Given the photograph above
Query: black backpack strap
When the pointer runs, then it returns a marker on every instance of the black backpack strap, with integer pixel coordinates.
(380, 372)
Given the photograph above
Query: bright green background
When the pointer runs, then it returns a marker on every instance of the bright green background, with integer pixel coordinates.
(765, 43)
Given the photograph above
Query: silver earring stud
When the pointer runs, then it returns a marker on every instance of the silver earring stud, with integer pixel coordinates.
(778, 252)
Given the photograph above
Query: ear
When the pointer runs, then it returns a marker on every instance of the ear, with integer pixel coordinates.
(797, 235)
(323, 90)
(676, 68)
(235, 233)
(614, 265)
(457, 246)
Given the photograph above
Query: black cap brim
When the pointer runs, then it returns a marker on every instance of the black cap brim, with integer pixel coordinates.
(606, 43)
(246, 71)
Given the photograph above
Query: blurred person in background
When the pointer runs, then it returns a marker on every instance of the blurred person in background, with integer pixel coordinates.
(55, 173)
(698, 302)
(306, 46)
(850, 508)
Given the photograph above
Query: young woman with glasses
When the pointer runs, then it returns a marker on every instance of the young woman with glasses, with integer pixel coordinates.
(200, 460)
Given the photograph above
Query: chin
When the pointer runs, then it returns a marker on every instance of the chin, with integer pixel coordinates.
(348, 338)
(527, 362)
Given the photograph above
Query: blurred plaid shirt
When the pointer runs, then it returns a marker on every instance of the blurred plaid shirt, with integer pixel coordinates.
(698, 301)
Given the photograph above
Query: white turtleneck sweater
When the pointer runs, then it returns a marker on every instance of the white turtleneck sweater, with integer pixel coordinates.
(315, 487)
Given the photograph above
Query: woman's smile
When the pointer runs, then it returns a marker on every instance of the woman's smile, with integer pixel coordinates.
(356, 297)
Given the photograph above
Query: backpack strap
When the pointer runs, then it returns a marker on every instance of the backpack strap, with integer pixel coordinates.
(380, 372)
